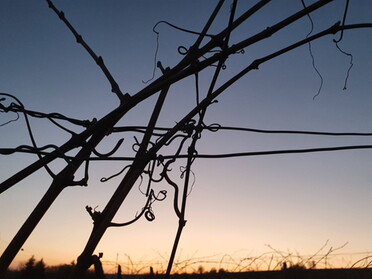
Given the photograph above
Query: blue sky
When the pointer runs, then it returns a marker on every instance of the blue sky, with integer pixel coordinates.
(294, 202)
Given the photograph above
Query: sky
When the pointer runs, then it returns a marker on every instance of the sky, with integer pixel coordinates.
(238, 207)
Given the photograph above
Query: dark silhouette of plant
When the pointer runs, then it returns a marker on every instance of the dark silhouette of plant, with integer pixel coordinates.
(33, 269)
(61, 271)
(297, 266)
(149, 163)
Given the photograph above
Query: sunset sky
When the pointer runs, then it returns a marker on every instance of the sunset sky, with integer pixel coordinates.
(237, 206)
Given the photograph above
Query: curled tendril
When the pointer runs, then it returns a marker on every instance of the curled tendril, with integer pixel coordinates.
(311, 53)
(137, 144)
(155, 56)
(189, 127)
(157, 180)
(341, 50)
(108, 154)
(28, 125)
(162, 194)
(215, 127)
(151, 172)
(182, 50)
(183, 170)
(165, 175)
(149, 215)
(9, 121)
(104, 179)
(343, 22)
(351, 64)
(139, 187)
(173, 184)
(160, 160)
(146, 210)
(194, 154)
(185, 51)
(175, 137)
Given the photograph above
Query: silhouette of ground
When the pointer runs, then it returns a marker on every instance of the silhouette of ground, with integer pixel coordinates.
(285, 274)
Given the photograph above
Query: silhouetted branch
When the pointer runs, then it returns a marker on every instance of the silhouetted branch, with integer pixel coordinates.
(98, 59)
(316, 253)
(179, 28)
(343, 21)
(299, 132)
(274, 152)
(141, 129)
(268, 32)
(206, 27)
(361, 260)
(191, 151)
(29, 129)
(50, 116)
(116, 147)
(147, 150)
(98, 129)
(33, 150)
(331, 250)
(255, 64)
(28, 149)
(244, 154)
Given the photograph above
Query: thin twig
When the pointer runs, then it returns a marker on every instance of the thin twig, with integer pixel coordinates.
(98, 59)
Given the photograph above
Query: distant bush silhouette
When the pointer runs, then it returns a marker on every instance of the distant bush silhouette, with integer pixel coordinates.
(213, 270)
(65, 271)
(60, 271)
(33, 269)
(297, 266)
(201, 269)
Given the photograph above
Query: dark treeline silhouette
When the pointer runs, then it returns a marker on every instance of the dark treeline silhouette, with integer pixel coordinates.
(33, 269)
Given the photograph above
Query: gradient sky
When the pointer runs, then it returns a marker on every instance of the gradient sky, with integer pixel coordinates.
(237, 206)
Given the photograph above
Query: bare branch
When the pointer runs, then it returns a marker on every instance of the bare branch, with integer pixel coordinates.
(98, 59)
